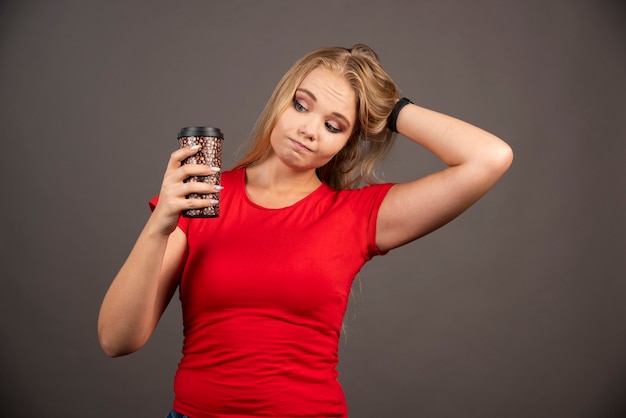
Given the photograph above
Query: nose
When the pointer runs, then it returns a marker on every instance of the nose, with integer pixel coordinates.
(307, 132)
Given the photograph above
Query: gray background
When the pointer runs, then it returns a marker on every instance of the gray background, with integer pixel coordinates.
(516, 309)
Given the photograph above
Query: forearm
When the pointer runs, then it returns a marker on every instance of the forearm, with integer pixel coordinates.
(133, 304)
(476, 160)
(454, 141)
(144, 285)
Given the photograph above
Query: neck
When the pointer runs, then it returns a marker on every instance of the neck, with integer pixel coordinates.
(272, 176)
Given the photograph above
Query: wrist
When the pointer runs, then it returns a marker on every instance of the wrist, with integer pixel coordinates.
(160, 226)
(393, 116)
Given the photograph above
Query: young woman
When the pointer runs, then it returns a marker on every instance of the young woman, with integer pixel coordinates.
(264, 287)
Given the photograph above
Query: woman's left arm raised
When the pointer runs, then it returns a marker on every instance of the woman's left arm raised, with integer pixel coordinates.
(475, 158)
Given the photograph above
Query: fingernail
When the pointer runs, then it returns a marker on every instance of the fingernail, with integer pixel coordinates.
(214, 201)
(218, 187)
(195, 147)
(215, 169)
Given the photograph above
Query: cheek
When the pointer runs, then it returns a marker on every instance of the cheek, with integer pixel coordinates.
(341, 144)
(278, 129)
(280, 122)
(333, 149)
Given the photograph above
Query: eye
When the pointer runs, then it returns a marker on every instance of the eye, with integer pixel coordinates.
(332, 128)
(298, 106)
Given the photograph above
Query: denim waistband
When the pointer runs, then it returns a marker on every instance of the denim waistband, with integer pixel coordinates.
(174, 414)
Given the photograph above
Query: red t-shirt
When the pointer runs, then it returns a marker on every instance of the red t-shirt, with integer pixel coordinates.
(264, 292)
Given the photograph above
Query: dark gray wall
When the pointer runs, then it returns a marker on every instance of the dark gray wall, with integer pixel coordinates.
(516, 309)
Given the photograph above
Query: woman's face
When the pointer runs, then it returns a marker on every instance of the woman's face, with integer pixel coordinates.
(318, 123)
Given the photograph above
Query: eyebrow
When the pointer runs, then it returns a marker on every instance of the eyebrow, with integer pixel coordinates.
(336, 114)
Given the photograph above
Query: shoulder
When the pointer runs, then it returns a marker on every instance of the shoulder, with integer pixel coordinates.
(233, 176)
(364, 199)
(367, 192)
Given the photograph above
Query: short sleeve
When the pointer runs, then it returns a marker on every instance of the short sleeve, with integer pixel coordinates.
(365, 203)
(183, 223)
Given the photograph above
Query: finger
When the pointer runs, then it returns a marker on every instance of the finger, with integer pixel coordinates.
(192, 173)
(198, 202)
(189, 196)
(177, 157)
(189, 170)
(201, 188)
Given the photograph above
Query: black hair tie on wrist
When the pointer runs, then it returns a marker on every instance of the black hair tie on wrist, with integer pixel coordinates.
(393, 117)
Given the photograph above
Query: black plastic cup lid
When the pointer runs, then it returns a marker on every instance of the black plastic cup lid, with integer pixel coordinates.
(200, 131)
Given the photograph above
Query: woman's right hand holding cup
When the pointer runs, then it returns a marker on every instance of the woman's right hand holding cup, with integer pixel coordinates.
(174, 189)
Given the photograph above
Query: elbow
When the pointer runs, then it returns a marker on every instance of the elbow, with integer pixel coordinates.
(110, 348)
(114, 346)
(501, 158)
(113, 351)
(506, 156)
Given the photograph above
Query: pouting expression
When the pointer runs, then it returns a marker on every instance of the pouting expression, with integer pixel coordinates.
(318, 123)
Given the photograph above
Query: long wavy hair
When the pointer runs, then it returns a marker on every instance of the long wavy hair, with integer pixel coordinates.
(371, 140)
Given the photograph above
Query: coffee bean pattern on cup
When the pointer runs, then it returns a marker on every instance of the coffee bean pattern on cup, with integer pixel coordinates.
(210, 153)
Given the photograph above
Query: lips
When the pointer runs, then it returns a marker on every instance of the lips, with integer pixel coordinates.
(300, 145)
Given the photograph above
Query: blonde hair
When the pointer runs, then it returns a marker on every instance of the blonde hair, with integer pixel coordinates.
(371, 140)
